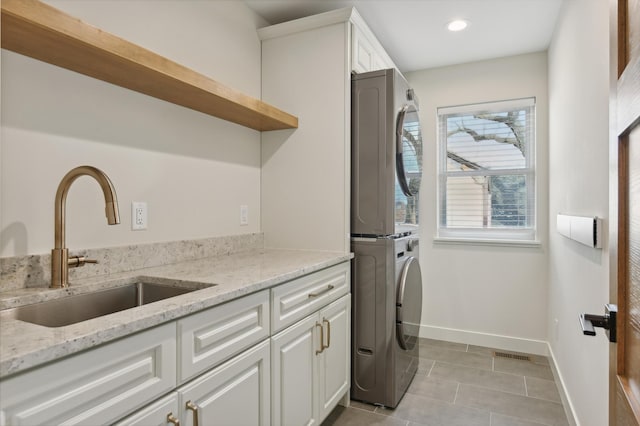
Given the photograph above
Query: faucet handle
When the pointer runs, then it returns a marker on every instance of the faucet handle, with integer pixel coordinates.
(75, 261)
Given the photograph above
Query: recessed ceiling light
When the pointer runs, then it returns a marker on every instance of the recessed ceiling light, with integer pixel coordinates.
(457, 25)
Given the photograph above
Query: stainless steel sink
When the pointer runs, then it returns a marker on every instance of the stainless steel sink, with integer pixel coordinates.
(81, 307)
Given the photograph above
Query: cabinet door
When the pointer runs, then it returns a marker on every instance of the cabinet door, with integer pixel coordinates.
(378, 63)
(294, 393)
(235, 393)
(334, 361)
(362, 52)
(160, 413)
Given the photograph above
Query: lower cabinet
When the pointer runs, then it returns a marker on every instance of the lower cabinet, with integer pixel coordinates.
(235, 393)
(221, 366)
(310, 362)
(161, 413)
(334, 362)
(93, 387)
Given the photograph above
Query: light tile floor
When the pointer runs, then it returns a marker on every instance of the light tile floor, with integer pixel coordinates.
(465, 385)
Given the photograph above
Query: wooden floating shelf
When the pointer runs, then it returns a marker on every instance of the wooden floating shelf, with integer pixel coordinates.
(42, 32)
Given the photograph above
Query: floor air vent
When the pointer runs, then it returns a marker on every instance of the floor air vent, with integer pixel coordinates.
(512, 356)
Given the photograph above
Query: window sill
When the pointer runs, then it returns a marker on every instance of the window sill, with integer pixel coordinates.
(487, 242)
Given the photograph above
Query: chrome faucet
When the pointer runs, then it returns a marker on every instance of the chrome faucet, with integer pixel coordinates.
(60, 260)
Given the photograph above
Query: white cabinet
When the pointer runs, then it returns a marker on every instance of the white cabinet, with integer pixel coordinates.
(310, 361)
(212, 336)
(362, 52)
(225, 365)
(334, 361)
(235, 393)
(306, 68)
(367, 53)
(298, 298)
(97, 386)
(293, 394)
(161, 413)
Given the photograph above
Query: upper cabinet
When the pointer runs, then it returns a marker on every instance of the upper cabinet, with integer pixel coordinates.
(367, 54)
(42, 32)
(306, 67)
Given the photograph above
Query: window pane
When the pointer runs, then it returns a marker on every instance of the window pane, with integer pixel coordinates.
(509, 201)
(488, 141)
(500, 201)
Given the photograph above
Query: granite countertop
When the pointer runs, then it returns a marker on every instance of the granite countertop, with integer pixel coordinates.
(24, 345)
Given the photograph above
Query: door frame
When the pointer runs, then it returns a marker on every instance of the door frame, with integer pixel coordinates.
(613, 198)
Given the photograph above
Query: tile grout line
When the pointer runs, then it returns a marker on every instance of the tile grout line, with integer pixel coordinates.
(431, 369)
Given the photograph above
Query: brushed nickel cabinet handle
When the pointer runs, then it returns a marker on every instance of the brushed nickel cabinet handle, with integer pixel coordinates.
(324, 320)
(172, 420)
(193, 407)
(321, 339)
(321, 292)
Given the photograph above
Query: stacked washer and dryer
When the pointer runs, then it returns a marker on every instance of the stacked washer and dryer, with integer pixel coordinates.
(386, 159)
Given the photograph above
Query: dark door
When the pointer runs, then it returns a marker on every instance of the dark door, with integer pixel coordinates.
(624, 372)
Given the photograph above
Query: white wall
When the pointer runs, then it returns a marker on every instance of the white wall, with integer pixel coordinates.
(487, 295)
(305, 172)
(578, 172)
(193, 170)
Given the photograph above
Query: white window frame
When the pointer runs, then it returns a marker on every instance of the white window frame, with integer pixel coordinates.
(510, 236)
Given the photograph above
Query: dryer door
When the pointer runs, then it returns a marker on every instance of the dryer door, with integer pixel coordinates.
(408, 150)
(409, 304)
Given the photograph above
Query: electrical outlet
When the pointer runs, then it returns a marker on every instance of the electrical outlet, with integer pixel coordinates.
(244, 215)
(138, 215)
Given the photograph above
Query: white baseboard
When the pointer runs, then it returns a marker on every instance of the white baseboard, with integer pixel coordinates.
(508, 343)
(562, 389)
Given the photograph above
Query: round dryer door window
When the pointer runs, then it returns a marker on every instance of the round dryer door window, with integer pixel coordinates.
(409, 304)
(408, 150)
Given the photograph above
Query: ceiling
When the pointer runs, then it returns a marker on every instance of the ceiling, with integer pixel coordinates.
(414, 32)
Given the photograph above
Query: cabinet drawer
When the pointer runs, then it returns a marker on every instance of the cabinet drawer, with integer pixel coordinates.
(94, 387)
(207, 338)
(155, 414)
(296, 299)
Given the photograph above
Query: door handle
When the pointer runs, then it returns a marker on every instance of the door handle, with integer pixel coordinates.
(606, 321)
(193, 407)
(321, 292)
(171, 419)
(319, 351)
(324, 320)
